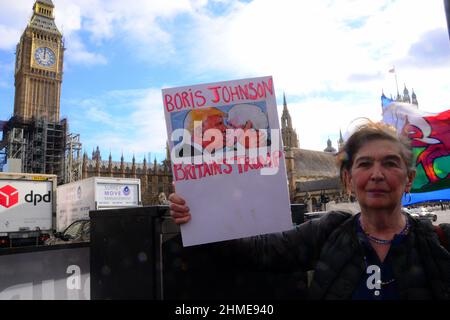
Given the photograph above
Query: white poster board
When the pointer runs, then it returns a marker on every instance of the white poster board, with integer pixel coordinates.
(234, 188)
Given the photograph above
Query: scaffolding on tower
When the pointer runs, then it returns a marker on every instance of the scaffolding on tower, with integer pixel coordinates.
(73, 159)
(35, 146)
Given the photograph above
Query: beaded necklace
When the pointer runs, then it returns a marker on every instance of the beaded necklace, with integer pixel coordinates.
(383, 241)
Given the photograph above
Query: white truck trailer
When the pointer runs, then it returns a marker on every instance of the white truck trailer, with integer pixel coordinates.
(75, 200)
(27, 208)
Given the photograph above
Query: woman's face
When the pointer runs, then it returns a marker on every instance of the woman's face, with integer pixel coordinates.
(379, 175)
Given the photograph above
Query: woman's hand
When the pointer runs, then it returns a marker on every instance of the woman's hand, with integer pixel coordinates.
(178, 209)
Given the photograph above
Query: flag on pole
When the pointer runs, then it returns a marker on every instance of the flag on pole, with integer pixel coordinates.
(392, 70)
(430, 141)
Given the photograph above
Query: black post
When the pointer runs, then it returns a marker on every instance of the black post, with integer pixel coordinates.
(125, 255)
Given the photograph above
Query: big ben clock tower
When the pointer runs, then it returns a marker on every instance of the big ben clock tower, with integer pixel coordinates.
(39, 67)
(35, 138)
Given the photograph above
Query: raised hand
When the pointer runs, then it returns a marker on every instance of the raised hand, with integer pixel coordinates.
(178, 209)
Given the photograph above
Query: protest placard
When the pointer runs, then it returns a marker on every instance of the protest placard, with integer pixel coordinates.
(227, 159)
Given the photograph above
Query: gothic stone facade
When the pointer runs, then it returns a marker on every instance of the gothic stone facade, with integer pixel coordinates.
(155, 179)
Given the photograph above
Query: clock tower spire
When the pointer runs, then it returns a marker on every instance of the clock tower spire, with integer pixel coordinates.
(39, 67)
(34, 139)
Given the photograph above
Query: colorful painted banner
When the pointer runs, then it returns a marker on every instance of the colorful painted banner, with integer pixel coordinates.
(430, 140)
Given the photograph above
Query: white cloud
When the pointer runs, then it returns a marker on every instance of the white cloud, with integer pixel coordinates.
(309, 46)
(333, 56)
(149, 121)
(137, 23)
(12, 17)
(77, 53)
(317, 119)
(9, 37)
(68, 17)
(330, 56)
(128, 121)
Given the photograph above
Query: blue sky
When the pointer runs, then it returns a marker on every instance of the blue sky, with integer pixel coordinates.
(331, 57)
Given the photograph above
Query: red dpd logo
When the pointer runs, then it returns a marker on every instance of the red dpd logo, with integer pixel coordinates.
(9, 196)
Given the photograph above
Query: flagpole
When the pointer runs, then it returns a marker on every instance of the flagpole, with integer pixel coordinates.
(395, 75)
(396, 82)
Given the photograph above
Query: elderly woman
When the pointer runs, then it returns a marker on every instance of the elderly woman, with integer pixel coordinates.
(379, 253)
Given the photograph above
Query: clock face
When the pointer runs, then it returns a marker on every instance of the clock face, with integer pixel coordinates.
(44, 56)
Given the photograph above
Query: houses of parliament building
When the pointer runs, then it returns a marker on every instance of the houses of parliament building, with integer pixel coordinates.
(36, 140)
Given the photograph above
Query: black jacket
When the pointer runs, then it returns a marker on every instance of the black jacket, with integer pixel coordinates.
(331, 248)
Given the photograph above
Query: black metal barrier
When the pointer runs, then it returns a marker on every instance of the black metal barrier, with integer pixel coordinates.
(298, 213)
(125, 253)
(137, 253)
